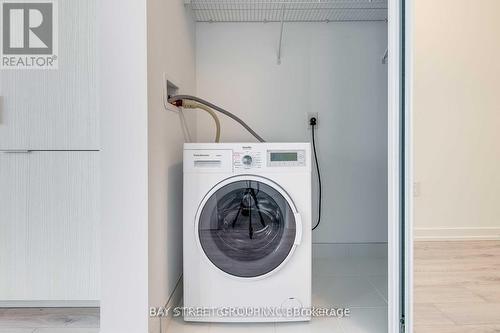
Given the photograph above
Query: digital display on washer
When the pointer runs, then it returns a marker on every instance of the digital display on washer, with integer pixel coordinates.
(283, 156)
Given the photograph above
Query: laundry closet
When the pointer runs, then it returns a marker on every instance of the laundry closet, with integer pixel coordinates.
(275, 64)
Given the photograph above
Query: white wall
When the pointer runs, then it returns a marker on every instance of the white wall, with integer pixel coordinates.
(334, 69)
(171, 51)
(140, 40)
(123, 104)
(456, 119)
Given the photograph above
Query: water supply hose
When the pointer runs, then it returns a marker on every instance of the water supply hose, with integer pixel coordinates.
(183, 98)
(189, 104)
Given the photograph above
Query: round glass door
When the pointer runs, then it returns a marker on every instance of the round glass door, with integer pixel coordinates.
(247, 228)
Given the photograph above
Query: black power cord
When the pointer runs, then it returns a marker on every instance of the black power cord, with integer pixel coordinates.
(313, 122)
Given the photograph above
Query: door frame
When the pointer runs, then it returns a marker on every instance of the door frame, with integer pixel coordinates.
(409, 163)
(400, 166)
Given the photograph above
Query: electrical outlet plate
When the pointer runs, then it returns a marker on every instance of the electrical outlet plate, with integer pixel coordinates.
(311, 115)
(169, 89)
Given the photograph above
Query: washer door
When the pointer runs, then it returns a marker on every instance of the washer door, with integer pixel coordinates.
(247, 227)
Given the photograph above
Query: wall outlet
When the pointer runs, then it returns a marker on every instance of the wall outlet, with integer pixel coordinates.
(169, 89)
(172, 89)
(312, 115)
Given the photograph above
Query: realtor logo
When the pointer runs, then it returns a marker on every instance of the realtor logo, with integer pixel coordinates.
(29, 34)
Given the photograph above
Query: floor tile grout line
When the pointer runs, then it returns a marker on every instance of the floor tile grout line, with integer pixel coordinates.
(367, 308)
(378, 291)
(340, 326)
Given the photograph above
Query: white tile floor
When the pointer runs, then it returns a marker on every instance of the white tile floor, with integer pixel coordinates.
(358, 283)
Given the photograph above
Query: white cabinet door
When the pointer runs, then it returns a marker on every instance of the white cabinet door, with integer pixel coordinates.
(49, 226)
(56, 109)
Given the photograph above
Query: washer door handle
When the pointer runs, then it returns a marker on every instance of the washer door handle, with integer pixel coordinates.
(298, 228)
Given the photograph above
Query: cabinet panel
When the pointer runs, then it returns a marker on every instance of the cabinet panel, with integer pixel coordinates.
(56, 109)
(49, 226)
(13, 223)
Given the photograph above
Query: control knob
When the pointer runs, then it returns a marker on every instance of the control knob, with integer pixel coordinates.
(247, 160)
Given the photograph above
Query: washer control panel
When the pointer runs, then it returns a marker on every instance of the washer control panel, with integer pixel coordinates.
(286, 158)
(257, 159)
(247, 159)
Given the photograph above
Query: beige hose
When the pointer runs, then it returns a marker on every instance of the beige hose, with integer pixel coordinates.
(177, 100)
(195, 105)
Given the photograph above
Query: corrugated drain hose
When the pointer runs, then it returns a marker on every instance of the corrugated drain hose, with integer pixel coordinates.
(181, 99)
(188, 104)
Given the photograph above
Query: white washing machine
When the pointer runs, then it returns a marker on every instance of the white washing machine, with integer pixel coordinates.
(247, 232)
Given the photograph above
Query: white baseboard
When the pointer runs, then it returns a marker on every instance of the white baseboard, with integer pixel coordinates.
(173, 301)
(450, 234)
(176, 295)
(49, 304)
(350, 250)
